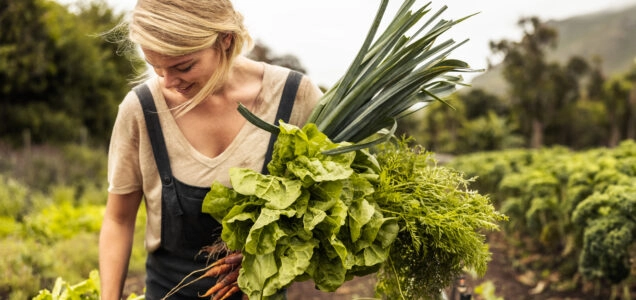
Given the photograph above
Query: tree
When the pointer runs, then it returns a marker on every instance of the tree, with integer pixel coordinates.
(619, 100)
(596, 80)
(563, 92)
(23, 45)
(59, 78)
(526, 70)
(479, 102)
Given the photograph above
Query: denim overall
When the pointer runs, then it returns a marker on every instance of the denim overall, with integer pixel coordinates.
(185, 230)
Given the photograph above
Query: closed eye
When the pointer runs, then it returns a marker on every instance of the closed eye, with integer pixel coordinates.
(185, 69)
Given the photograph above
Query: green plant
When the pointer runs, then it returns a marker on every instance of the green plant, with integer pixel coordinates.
(486, 291)
(577, 207)
(20, 268)
(441, 221)
(609, 233)
(87, 289)
(63, 220)
(13, 196)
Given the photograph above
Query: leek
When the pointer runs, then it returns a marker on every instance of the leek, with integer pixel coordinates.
(392, 76)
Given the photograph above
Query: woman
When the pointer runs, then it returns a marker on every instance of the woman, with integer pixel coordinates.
(197, 135)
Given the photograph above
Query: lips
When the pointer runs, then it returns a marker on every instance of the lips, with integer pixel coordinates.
(184, 89)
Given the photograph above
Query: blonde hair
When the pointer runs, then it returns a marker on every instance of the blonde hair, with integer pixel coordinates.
(181, 27)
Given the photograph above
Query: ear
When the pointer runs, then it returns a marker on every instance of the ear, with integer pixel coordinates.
(226, 40)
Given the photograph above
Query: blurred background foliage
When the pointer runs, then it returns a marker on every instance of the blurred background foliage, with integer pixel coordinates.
(59, 80)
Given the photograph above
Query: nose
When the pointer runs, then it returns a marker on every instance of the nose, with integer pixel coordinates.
(170, 80)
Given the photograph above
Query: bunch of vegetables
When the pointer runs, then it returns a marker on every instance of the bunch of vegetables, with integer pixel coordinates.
(313, 217)
(339, 201)
(440, 221)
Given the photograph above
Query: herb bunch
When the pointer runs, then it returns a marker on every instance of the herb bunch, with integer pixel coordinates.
(441, 223)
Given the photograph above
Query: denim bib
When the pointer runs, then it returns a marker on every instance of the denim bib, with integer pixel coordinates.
(185, 230)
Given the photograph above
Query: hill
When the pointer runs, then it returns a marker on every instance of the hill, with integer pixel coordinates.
(607, 35)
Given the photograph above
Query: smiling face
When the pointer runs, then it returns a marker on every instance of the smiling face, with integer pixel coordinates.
(187, 74)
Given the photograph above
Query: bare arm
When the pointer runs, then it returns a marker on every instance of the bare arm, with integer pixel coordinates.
(115, 242)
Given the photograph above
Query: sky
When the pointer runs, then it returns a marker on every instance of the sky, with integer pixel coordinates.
(326, 35)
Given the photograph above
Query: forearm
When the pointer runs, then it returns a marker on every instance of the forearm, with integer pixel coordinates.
(115, 244)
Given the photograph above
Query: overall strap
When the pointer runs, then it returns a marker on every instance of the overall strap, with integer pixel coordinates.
(284, 111)
(154, 132)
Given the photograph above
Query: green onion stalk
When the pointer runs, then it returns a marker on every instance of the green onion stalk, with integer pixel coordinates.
(393, 75)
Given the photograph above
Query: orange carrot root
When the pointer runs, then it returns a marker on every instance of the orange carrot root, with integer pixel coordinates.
(233, 290)
(227, 281)
(214, 291)
(225, 270)
(218, 270)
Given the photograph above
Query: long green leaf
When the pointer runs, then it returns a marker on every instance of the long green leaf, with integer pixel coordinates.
(354, 67)
(384, 137)
(402, 60)
(258, 122)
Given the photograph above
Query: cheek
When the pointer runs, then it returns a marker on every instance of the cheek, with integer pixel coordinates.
(204, 74)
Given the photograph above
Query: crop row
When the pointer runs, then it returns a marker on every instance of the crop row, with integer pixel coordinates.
(573, 212)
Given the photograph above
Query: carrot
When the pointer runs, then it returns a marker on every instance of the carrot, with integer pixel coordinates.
(223, 267)
(217, 270)
(215, 292)
(233, 289)
(233, 258)
(231, 277)
(228, 280)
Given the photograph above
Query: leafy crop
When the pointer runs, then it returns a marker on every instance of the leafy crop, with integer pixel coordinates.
(313, 217)
(331, 217)
(87, 289)
(610, 230)
(441, 222)
(579, 203)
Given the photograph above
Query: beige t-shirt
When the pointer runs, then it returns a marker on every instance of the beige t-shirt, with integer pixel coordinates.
(131, 164)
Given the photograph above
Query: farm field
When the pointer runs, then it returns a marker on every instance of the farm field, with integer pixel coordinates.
(552, 187)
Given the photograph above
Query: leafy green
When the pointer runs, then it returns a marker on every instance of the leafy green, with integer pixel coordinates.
(86, 290)
(609, 231)
(352, 214)
(313, 217)
(440, 223)
(579, 203)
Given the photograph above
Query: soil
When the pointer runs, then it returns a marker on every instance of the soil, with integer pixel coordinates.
(508, 283)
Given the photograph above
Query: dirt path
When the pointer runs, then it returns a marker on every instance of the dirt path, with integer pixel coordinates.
(513, 285)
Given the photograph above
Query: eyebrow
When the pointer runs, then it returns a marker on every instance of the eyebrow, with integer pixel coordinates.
(175, 65)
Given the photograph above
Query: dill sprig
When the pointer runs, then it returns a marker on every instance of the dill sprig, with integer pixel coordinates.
(441, 223)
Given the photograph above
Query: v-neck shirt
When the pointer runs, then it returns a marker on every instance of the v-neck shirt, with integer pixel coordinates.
(131, 165)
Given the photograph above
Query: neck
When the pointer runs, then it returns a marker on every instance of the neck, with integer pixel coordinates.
(242, 72)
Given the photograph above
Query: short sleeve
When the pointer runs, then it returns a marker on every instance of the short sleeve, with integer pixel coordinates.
(124, 172)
